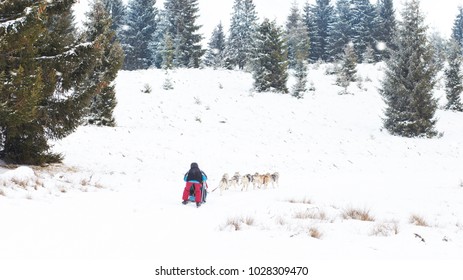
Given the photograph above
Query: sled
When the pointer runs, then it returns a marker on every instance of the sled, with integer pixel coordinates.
(191, 197)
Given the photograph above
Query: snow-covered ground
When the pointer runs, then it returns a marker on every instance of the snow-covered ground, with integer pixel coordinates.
(117, 195)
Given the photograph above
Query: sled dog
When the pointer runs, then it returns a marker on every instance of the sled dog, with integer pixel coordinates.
(235, 180)
(256, 180)
(274, 179)
(245, 181)
(223, 184)
(266, 180)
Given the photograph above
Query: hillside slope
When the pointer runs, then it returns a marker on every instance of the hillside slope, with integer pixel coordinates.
(118, 192)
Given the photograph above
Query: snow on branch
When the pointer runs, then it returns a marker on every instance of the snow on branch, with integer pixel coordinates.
(71, 52)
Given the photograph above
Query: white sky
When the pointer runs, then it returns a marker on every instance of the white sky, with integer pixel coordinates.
(439, 14)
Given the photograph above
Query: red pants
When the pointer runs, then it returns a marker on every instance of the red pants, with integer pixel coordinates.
(186, 191)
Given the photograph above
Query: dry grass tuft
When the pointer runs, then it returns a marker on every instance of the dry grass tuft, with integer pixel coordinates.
(280, 221)
(85, 181)
(233, 223)
(99, 185)
(386, 229)
(418, 221)
(237, 223)
(314, 214)
(249, 221)
(315, 233)
(358, 214)
(305, 200)
(19, 182)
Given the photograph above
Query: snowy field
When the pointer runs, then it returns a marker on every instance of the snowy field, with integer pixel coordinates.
(117, 195)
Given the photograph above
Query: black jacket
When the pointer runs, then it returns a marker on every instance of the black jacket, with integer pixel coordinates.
(195, 174)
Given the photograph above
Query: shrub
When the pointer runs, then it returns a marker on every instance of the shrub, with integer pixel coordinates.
(315, 233)
(167, 85)
(236, 223)
(314, 214)
(386, 229)
(305, 200)
(146, 89)
(418, 220)
(358, 214)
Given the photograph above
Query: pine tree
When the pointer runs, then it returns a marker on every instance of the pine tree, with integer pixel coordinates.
(457, 29)
(117, 12)
(341, 32)
(21, 83)
(181, 18)
(297, 38)
(362, 22)
(300, 73)
(309, 22)
(215, 54)
(270, 65)
(138, 34)
(454, 78)
(242, 31)
(45, 74)
(99, 30)
(385, 29)
(158, 45)
(319, 20)
(410, 78)
(439, 45)
(348, 71)
(369, 55)
(168, 52)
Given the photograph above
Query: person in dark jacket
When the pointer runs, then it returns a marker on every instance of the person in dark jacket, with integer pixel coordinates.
(194, 178)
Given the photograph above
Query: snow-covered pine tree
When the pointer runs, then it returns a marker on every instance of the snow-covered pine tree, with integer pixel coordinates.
(369, 55)
(116, 10)
(138, 33)
(362, 22)
(21, 83)
(385, 28)
(439, 45)
(410, 78)
(297, 38)
(348, 71)
(340, 33)
(270, 64)
(309, 21)
(98, 29)
(45, 74)
(300, 73)
(168, 52)
(454, 77)
(319, 19)
(215, 54)
(457, 29)
(243, 25)
(158, 44)
(181, 16)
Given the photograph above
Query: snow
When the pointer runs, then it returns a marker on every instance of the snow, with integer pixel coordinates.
(117, 195)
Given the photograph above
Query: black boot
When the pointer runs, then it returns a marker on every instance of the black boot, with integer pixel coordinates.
(185, 202)
(198, 204)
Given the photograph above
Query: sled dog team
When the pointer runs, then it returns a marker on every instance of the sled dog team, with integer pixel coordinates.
(261, 181)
